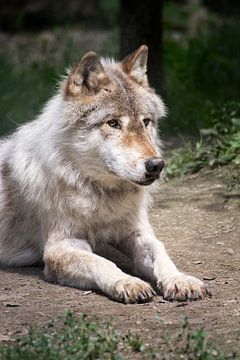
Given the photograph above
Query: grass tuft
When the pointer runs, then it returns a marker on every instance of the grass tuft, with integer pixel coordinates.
(79, 338)
(219, 144)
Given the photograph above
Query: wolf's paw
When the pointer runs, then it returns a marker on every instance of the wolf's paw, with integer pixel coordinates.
(133, 290)
(183, 287)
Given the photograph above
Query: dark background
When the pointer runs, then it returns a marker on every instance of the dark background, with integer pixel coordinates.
(194, 58)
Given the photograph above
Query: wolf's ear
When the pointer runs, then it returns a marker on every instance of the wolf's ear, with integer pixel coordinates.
(135, 65)
(86, 77)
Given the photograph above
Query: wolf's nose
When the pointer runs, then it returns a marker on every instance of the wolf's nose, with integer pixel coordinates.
(154, 166)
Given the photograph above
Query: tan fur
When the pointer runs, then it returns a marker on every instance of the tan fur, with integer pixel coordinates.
(72, 182)
(141, 143)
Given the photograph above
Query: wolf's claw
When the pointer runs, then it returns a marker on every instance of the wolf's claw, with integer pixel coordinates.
(183, 288)
(133, 290)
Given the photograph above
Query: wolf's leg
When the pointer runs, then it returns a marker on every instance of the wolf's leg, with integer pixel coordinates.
(20, 257)
(71, 262)
(152, 261)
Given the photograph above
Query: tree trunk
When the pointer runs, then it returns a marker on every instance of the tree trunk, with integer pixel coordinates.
(141, 23)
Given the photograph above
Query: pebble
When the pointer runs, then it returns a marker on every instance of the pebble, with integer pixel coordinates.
(197, 262)
(182, 304)
(230, 251)
(87, 292)
(11, 304)
(209, 277)
(4, 337)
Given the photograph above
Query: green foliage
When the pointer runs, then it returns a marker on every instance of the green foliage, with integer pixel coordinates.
(219, 145)
(135, 342)
(23, 92)
(174, 16)
(27, 84)
(199, 73)
(26, 87)
(214, 59)
(233, 183)
(192, 345)
(196, 344)
(110, 10)
(78, 338)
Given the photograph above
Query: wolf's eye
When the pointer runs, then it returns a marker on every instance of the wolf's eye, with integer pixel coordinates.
(114, 124)
(146, 122)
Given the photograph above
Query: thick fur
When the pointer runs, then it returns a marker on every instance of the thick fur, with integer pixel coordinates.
(73, 181)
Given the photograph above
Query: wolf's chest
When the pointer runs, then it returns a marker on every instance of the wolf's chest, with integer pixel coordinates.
(114, 209)
(103, 210)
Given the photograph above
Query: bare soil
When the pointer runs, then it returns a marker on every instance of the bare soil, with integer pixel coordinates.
(199, 223)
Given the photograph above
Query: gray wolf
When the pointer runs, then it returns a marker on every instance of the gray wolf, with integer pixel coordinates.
(79, 177)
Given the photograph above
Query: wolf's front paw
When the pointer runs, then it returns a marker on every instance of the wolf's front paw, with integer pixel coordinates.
(132, 290)
(183, 287)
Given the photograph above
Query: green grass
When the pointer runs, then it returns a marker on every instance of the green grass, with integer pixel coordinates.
(219, 145)
(79, 338)
(233, 183)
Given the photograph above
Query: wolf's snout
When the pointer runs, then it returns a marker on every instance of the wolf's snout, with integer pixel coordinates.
(154, 166)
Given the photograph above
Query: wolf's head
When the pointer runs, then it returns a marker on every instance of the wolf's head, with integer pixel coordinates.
(113, 114)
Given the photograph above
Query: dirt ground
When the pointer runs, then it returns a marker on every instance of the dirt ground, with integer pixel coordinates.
(199, 223)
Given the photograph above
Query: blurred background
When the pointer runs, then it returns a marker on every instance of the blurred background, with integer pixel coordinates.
(194, 55)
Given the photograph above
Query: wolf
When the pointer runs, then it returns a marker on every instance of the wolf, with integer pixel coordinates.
(79, 178)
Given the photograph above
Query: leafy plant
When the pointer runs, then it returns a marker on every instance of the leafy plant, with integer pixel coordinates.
(192, 345)
(233, 183)
(219, 145)
(79, 338)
